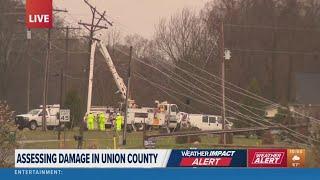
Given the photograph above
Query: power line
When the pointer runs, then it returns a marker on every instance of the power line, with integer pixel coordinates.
(257, 97)
(288, 129)
(271, 27)
(275, 51)
(296, 134)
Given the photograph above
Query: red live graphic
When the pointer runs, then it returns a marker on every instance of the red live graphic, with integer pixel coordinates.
(205, 161)
(267, 158)
(39, 13)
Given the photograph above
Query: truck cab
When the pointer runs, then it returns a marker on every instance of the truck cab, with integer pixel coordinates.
(167, 114)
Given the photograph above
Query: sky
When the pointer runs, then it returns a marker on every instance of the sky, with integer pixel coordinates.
(129, 16)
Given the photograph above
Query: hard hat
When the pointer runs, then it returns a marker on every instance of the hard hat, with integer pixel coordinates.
(118, 114)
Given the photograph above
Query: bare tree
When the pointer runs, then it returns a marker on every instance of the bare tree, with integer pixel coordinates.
(184, 37)
(113, 38)
(9, 48)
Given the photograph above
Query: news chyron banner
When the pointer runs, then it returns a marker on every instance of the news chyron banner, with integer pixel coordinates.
(159, 158)
(39, 14)
(134, 158)
(91, 158)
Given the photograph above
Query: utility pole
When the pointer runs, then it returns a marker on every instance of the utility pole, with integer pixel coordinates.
(222, 81)
(67, 56)
(61, 99)
(63, 69)
(124, 140)
(93, 27)
(28, 69)
(91, 68)
(96, 19)
(66, 65)
(45, 78)
(45, 83)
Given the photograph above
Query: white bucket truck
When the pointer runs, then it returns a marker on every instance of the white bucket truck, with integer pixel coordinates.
(33, 119)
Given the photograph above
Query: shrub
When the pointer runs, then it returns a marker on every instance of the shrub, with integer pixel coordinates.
(8, 142)
(267, 138)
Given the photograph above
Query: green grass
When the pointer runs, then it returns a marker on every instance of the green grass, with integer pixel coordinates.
(104, 140)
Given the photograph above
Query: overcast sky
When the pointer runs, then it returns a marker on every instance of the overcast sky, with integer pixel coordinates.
(130, 16)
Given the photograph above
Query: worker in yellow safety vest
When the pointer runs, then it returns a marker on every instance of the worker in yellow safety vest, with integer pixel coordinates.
(119, 122)
(90, 121)
(102, 121)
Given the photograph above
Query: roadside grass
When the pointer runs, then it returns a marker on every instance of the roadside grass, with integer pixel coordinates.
(104, 140)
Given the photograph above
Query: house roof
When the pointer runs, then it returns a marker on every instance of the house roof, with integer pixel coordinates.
(307, 88)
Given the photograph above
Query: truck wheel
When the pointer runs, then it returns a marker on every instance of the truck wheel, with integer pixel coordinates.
(63, 127)
(33, 125)
(140, 126)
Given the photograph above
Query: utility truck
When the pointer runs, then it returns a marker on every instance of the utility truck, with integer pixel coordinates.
(33, 119)
(163, 115)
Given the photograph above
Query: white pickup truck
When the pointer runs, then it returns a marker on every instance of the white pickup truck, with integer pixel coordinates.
(33, 119)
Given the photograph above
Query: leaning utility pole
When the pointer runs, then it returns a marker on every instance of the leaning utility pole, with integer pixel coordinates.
(92, 27)
(124, 140)
(222, 81)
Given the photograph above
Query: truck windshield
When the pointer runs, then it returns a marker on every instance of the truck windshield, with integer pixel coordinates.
(34, 111)
(174, 108)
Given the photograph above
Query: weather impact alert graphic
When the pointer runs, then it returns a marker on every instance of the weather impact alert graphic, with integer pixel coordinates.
(208, 158)
(276, 158)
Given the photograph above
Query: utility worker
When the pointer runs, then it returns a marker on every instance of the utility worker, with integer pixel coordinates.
(102, 121)
(90, 121)
(119, 122)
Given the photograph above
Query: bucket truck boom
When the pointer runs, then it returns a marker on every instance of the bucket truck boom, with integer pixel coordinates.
(119, 81)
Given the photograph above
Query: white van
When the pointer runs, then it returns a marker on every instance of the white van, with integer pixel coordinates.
(207, 122)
